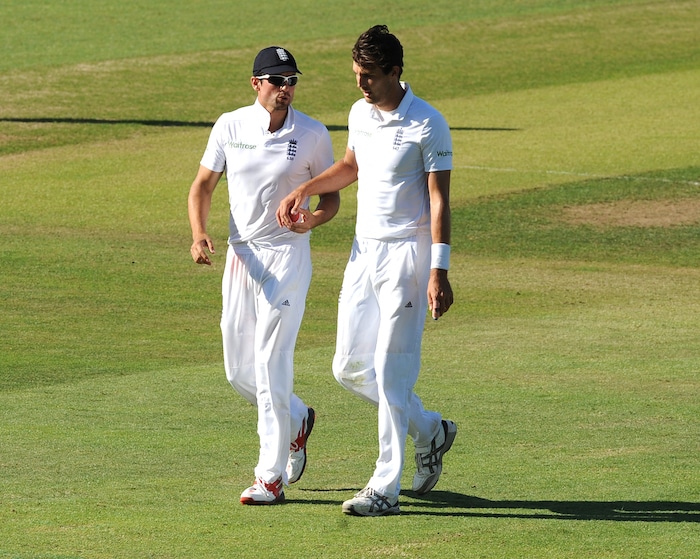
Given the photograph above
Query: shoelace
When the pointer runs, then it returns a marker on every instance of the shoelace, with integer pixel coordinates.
(432, 458)
(379, 502)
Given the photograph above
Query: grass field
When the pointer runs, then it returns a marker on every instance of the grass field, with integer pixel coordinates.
(570, 361)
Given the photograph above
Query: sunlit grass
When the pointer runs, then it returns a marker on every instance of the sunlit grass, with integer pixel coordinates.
(570, 360)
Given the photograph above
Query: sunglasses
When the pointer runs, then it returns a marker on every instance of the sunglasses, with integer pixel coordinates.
(279, 81)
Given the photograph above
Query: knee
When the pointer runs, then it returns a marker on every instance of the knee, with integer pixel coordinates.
(241, 384)
(349, 376)
(342, 376)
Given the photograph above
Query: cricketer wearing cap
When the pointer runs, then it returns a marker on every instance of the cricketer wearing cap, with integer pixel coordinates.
(266, 149)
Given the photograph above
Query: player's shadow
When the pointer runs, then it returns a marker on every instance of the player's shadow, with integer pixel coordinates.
(163, 123)
(618, 511)
(446, 503)
(340, 128)
(195, 124)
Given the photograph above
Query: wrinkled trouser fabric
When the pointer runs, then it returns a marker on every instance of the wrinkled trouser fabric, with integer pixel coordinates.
(381, 317)
(264, 293)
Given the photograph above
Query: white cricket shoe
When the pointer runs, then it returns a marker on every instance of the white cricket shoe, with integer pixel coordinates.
(368, 502)
(429, 459)
(263, 493)
(297, 450)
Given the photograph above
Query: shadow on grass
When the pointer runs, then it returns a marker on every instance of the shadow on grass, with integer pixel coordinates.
(618, 511)
(445, 503)
(164, 123)
(193, 124)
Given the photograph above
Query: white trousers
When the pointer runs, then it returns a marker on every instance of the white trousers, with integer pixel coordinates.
(381, 316)
(264, 294)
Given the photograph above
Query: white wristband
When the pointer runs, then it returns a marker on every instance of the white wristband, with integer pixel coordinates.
(440, 256)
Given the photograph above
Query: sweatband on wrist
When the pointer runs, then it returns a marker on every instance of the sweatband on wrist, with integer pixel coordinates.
(440, 256)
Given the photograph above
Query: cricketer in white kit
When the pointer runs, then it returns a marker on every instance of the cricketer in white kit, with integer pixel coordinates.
(400, 152)
(266, 150)
(383, 300)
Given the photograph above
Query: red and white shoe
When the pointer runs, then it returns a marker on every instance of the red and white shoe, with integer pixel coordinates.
(263, 493)
(297, 450)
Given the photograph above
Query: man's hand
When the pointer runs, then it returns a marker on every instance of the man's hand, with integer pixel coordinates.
(199, 249)
(440, 296)
(302, 221)
(290, 207)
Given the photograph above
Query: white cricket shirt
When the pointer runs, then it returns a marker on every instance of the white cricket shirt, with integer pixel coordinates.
(262, 167)
(394, 151)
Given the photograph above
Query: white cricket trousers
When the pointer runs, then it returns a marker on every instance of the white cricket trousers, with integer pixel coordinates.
(264, 294)
(381, 316)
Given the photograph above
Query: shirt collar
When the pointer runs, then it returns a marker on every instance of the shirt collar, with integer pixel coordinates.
(399, 112)
(263, 116)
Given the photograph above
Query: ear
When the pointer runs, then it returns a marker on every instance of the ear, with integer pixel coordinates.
(255, 83)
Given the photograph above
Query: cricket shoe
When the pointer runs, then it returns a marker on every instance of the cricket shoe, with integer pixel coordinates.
(263, 493)
(369, 502)
(297, 450)
(429, 459)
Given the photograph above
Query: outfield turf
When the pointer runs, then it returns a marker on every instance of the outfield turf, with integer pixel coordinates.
(570, 361)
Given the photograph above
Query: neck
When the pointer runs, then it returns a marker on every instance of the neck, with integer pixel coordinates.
(394, 99)
(277, 120)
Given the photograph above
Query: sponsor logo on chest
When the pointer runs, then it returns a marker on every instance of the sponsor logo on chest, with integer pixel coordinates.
(396, 143)
(232, 144)
(291, 148)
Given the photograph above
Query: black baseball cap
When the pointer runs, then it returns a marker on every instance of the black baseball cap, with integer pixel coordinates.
(274, 60)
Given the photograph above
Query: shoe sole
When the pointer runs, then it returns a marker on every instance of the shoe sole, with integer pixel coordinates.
(250, 501)
(388, 512)
(449, 439)
(311, 419)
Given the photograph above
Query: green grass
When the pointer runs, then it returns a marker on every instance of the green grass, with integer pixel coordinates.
(531, 224)
(570, 361)
(54, 34)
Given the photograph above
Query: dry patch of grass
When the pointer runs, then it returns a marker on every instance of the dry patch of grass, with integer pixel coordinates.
(635, 213)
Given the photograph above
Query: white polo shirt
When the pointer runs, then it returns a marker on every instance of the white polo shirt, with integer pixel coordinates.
(394, 151)
(262, 167)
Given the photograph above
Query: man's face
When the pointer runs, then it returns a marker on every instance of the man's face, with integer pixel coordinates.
(377, 87)
(273, 97)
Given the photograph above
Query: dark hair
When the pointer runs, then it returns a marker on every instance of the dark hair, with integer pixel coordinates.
(378, 47)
